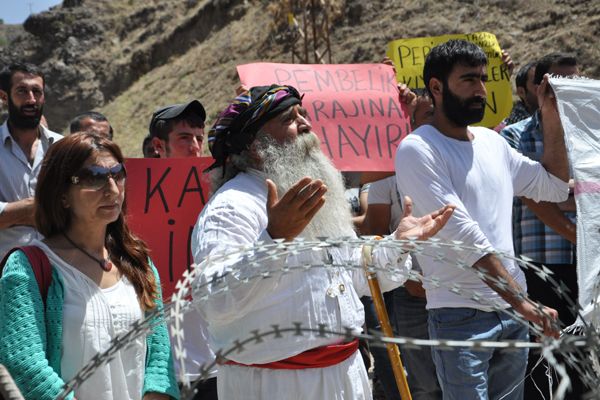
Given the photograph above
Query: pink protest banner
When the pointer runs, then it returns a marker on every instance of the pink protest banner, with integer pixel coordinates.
(354, 108)
(164, 198)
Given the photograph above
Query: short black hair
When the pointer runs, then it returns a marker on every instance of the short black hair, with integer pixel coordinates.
(163, 127)
(7, 73)
(145, 143)
(548, 61)
(442, 58)
(75, 125)
(521, 77)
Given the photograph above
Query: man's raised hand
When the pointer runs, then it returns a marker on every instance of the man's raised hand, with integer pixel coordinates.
(289, 215)
(424, 227)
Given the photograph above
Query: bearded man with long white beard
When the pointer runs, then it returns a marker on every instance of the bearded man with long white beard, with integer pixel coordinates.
(272, 181)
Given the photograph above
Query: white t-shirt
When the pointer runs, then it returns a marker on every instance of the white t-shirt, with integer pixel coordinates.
(480, 177)
(385, 191)
(92, 317)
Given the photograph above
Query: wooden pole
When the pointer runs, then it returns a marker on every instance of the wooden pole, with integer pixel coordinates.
(386, 328)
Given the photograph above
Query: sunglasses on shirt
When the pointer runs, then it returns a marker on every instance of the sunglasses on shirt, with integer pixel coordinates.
(95, 177)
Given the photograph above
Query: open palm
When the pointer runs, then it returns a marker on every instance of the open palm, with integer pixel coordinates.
(422, 228)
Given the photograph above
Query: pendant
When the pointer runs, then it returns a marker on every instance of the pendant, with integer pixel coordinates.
(106, 265)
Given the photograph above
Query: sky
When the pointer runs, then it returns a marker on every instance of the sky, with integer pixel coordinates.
(17, 11)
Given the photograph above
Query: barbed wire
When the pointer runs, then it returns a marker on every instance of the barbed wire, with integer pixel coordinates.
(192, 292)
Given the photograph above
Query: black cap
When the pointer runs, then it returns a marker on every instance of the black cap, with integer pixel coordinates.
(175, 110)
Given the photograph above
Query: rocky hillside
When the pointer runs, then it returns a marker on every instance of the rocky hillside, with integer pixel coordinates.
(127, 57)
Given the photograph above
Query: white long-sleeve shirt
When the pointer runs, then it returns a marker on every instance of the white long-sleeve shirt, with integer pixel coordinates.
(480, 177)
(236, 215)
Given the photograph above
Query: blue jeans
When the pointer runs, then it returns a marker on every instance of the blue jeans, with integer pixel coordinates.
(410, 320)
(467, 374)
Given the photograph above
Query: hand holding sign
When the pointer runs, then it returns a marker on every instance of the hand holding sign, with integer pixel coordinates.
(546, 99)
(407, 97)
(507, 60)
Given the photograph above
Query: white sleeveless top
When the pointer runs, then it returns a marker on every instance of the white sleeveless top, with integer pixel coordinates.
(92, 317)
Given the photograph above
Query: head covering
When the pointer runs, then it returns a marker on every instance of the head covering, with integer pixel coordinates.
(236, 127)
(174, 111)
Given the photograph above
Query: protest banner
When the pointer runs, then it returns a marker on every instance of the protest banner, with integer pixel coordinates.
(409, 57)
(164, 198)
(354, 108)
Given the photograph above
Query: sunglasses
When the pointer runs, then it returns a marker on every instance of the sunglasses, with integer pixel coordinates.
(95, 177)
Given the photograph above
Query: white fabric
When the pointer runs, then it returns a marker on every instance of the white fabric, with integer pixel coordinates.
(579, 108)
(347, 380)
(18, 179)
(92, 317)
(197, 349)
(385, 191)
(235, 216)
(480, 177)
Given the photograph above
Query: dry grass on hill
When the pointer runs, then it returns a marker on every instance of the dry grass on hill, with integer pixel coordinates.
(128, 57)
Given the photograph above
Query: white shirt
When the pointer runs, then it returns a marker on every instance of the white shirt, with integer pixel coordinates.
(18, 179)
(480, 177)
(92, 317)
(385, 191)
(197, 349)
(236, 216)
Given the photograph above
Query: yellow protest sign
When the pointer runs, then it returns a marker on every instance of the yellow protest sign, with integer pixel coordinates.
(409, 56)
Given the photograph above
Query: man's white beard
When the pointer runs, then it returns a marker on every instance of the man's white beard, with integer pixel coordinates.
(288, 163)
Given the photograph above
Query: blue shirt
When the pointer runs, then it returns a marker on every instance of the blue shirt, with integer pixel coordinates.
(18, 179)
(532, 238)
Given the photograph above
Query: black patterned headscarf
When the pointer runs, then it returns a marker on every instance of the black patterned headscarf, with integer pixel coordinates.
(236, 127)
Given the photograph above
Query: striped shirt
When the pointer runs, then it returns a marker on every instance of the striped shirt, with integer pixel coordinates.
(532, 238)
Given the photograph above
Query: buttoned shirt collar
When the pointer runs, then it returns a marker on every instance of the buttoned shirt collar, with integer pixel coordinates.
(45, 134)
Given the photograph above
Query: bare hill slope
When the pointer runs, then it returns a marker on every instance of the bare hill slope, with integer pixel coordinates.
(127, 57)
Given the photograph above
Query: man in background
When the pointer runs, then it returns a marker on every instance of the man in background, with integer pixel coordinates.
(544, 231)
(526, 91)
(92, 121)
(178, 130)
(23, 144)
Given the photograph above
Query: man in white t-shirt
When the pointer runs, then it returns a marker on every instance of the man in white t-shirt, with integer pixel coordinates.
(449, 161)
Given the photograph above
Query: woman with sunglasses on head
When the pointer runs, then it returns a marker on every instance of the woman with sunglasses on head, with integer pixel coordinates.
(102, 282)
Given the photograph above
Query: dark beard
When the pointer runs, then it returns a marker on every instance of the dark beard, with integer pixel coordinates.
(459, 110)
(19, 120)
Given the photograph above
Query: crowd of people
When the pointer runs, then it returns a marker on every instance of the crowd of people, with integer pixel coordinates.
(75, 276)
